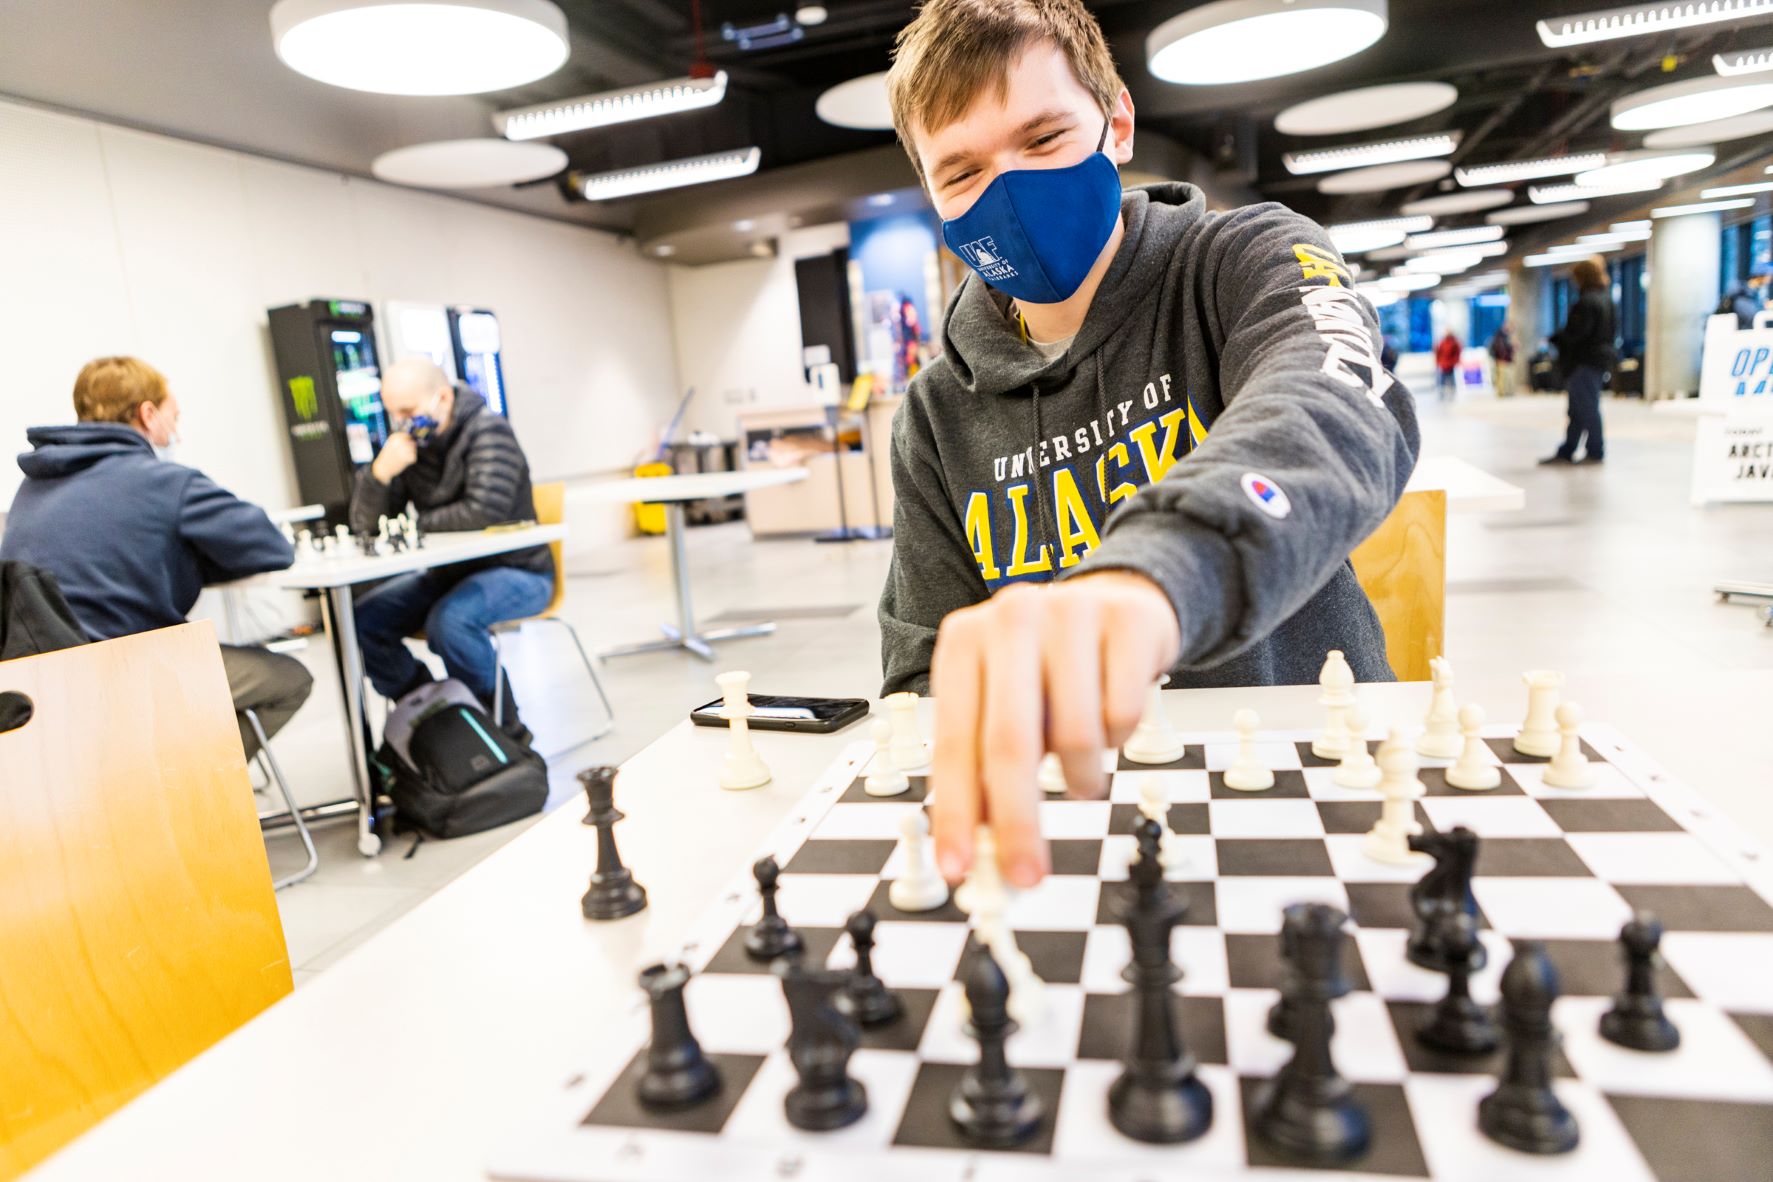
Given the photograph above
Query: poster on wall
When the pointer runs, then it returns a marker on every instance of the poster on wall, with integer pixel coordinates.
(1733, 447)
(892, 259)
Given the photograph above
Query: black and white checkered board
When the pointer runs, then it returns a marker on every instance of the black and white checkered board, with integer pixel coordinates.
(1564, 866)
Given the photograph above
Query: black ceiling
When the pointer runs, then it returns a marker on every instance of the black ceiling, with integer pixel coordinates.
(1517, 98)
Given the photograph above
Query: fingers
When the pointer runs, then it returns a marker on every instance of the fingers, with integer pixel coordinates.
(1012, 731)
(955, 676)
(1072, 658)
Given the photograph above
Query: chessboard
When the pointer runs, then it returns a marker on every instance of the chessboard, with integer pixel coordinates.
(1566, 867)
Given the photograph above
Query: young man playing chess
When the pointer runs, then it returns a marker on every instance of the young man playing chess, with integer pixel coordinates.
(1153, 439)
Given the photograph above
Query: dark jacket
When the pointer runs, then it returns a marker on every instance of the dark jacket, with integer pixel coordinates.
(1587, 335)
(1221, 424)
(469, 477)
(34, 617)
(131, 538)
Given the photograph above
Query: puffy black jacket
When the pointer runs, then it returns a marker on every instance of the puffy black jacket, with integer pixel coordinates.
(1587, 335)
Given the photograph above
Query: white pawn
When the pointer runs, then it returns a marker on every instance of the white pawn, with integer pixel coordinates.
(1473, 771)
(1569, 768)
(1337, 682)
(1389, 839)
(1154, 805)
(909, 750)
(1028, 993)
(920, 886)
(1538, 734)
(883, 778)
(1440, 735)
(1154, 740)
(1051, 776)
(984, 893)
(1247, 773)
(743, 767)
(1358, 768)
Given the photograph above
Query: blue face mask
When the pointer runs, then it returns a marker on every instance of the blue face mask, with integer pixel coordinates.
(1034, 233)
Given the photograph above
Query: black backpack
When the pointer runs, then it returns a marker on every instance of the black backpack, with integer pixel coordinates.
(451, 772)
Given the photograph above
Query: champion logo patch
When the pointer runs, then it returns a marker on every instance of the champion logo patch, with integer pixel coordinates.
(1266, 495)
(982, 254)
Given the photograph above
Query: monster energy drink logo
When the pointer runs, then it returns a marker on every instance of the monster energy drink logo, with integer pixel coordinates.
(303, 397)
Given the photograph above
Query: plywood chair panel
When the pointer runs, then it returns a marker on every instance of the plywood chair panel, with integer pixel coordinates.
(137, 921)
(1403, 568)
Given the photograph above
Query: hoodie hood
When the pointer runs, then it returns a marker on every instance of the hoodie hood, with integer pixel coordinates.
(63, 451)
(983, 347)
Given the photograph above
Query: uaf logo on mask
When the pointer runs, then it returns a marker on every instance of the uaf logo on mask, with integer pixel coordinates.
(982, 255)
(1267, 495)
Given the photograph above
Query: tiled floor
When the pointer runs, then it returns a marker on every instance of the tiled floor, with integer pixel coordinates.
(1606, 575)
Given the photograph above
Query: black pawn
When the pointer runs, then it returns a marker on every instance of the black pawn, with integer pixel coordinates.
(1157, 1098)
(1458, 1024)
(677, 1073)
(992, 1104)
(770, 937)
(820, 1043)
(613, 893)
(865, 996)
(1309, 1111)
(1636, 1019)
(1523, 1112)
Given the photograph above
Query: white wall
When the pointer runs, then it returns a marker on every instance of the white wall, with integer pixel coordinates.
(117, 241)
(737, 331)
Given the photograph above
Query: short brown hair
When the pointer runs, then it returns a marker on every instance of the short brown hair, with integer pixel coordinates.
(1590, 273)
(109, 389)
(954, 49)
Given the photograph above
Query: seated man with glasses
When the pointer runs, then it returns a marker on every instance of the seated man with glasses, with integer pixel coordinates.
(460, 466)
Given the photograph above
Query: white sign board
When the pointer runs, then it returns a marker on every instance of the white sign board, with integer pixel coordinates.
(1733, 448)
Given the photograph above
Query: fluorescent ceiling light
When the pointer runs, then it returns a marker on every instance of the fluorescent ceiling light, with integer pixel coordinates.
(1366, 108)
(1695, 100)
(1742, 61)
(1487, 279)
(1578, 250)
(1639, 224)
(611, 106)
(1634, 20)
(1627, 168)
(1615, 236)
(1407, 282)
(1245, 40)
(1421, 147)
(1675, 211)
(420, 47)
(1443, 262)
(1738, 190)
(1555, 194)
(1354, 237)
(1384, 176)
(1550, 260)
(1527, 170)
(1470, 201)
(1515, 215)
(671, 174)
(1712, 132)
(1378, 296)
(1463, 236)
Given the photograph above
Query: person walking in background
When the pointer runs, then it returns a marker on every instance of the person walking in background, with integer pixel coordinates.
(1739, 302)
(1585, 354)
(1446, 361)
(1502, 359)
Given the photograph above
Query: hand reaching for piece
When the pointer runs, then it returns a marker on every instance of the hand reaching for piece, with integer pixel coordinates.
(1063, 667)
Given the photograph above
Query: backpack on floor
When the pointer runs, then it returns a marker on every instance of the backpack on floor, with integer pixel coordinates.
(450, 770)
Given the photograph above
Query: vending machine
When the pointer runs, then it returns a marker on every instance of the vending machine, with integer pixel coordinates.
(474, 333)
(329, 378)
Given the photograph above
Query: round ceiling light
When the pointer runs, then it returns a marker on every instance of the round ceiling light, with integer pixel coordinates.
(420, 47)
(1518, 214)
(1385, 176)
(469, 164)
(1366, 108)
(1389, 254)
(860, 103)
(1643, 168)
(1465, 201)
(1717, 131)
(1246, 40)
(1697, 100)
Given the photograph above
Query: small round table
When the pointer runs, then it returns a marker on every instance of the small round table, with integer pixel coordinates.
(672, 492)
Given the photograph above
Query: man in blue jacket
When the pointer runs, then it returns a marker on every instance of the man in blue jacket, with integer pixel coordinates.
(133, 538)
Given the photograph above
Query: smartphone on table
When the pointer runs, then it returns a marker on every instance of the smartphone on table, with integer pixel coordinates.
(773, 712)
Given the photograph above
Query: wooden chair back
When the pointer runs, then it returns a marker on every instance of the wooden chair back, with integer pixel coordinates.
(137, 921)
(551, 510)
(1403, 568)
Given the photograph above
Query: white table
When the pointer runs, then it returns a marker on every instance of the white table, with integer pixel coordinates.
(672, 492)
(485, 999)
(335, 575)
(1469, 488)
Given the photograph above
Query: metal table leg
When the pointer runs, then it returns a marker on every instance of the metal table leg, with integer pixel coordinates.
(685, 635)
(341, 621)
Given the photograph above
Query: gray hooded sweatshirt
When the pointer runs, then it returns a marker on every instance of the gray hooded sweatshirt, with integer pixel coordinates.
(1221, 424)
